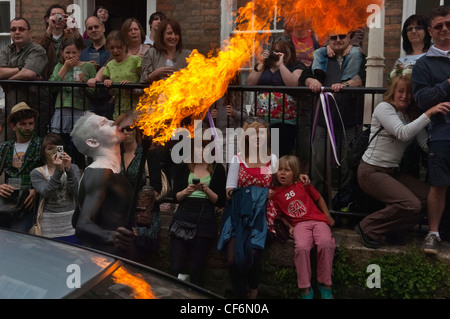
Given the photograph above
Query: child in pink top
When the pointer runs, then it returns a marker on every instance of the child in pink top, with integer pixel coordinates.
(306, 214)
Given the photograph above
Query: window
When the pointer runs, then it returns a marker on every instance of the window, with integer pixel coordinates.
(229, 28)
(7, 9)
(276, 26)
(7, 13)
(424, 7)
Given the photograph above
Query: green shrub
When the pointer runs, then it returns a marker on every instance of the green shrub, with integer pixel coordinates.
(412, 275)
(406, 275)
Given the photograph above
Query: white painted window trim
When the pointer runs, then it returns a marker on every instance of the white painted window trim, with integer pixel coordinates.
(409, 8)
(12, 13)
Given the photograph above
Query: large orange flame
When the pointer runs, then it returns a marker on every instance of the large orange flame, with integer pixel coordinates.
(191, 91)
(141, 289)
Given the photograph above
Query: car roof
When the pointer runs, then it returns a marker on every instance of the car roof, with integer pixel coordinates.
(33, 267)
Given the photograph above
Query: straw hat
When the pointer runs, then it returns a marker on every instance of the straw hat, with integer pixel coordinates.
(22, 106)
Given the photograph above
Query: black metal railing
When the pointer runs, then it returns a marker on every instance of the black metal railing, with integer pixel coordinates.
(41, 95)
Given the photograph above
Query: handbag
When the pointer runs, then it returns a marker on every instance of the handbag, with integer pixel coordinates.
(183, 230)
(36, 229)
(358, 145)
(186, 230)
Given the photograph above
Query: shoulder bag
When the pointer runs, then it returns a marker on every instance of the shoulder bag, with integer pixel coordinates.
(186, 230)
(36, 229)
(358, 145)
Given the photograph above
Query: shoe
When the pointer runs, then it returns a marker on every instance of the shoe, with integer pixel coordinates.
(430, 244)
(325, 292)
(394, 239)
(309, 295)
(366, 240)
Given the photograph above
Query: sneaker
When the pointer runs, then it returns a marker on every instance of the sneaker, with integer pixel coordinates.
(309, 295)
(325, 292)
(366, 240)
(430, 244)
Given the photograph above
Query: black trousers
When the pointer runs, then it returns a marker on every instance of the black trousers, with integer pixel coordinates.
(189, 256)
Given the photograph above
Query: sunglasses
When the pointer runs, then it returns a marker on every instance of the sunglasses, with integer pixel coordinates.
(281, 38)
(418, 28)
(251, 120)
(340, 36)
(20, 29)
(128, 129)
(440, 26)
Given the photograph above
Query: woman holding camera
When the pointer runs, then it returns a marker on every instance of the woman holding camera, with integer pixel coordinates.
(199, 187)
(278, 67)
(57, 185)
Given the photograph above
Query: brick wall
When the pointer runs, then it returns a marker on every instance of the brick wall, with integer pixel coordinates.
(34, 11)
(392, 33)
(201, 23)
(199, 20)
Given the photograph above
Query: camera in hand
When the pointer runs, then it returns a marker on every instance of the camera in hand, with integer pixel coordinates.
(195, 181)
(271, 60)
(59, 150)
(59, 17)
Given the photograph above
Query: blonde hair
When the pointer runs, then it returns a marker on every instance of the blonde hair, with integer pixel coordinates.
(293, 163)
(390, 93)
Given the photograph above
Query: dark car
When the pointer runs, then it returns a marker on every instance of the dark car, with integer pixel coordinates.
(33, 267)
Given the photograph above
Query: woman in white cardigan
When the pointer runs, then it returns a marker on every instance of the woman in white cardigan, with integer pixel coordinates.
(378, 173)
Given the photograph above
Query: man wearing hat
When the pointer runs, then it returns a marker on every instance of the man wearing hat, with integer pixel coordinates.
(20, 156)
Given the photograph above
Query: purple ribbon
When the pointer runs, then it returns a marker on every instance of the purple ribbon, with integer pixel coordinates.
(324, 103)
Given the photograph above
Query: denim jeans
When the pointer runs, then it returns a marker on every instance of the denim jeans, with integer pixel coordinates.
(351, 66)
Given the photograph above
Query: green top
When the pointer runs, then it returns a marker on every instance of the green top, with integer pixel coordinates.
(127, 70)
(199, 194)
(88, 71)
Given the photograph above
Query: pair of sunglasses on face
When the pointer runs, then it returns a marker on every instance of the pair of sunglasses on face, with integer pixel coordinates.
(440, 26)
(418, 28)
(128, 129)
(251, 120)
(340, 36)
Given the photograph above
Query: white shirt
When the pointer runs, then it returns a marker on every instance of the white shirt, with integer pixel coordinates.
(386, 149)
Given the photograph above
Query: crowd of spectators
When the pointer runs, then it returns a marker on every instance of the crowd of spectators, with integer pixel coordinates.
(82, 193)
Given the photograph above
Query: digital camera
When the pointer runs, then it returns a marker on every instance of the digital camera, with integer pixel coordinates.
(271, 60)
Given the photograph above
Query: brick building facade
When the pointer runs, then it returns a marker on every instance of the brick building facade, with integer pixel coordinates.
(203, 22)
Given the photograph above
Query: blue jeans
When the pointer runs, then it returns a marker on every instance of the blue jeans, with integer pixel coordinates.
(351, 66)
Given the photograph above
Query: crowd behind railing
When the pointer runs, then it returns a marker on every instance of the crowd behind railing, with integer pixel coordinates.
(309, 104)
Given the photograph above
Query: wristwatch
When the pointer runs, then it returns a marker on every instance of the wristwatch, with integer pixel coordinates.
(256, 67)
(20, 68)
(346, 84)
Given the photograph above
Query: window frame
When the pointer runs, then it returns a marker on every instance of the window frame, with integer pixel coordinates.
(228, 27)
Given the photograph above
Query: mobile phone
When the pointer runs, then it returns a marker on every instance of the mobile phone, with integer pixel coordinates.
(195, 181)
(59, 150)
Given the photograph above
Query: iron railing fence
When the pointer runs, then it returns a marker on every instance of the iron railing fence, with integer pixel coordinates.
(37, 95)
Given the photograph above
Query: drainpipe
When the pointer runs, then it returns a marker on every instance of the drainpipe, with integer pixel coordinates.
(375, 64)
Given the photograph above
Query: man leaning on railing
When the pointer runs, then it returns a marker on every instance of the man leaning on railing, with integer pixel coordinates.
(22, 60)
